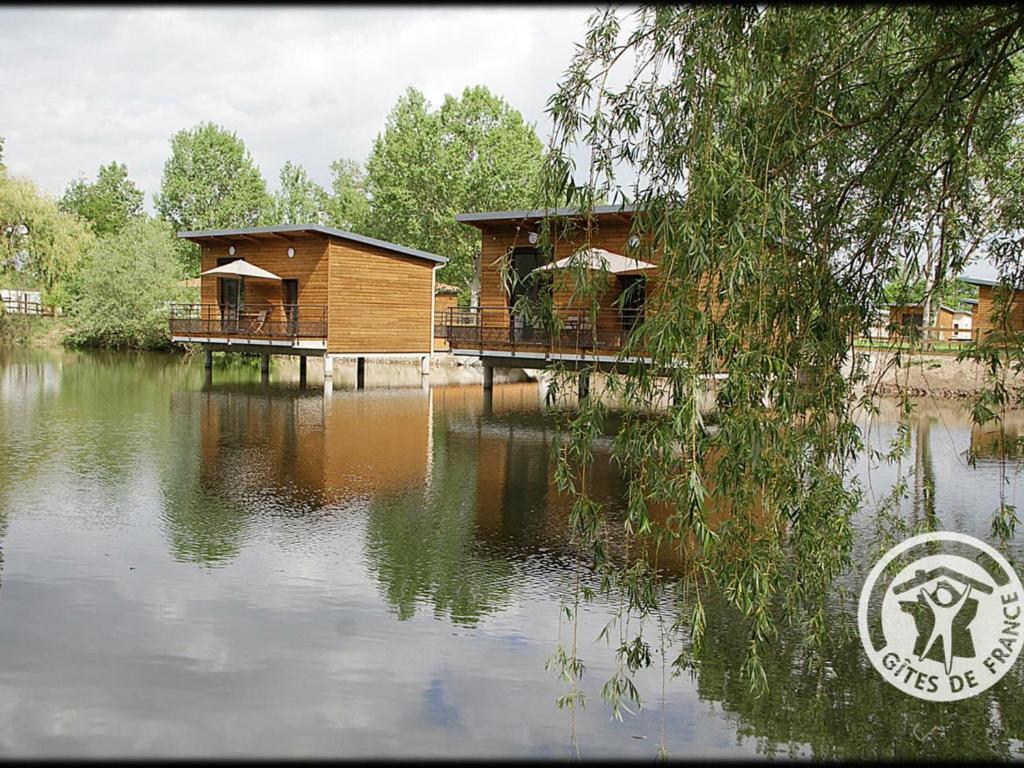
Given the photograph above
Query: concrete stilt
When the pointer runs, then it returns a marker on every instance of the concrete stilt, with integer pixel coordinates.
(328, 366)
(360, 372)
(265, 367)
(302, 370)
(425, 365)
(583, 385)
(488, 377)
(207, 378)
(207, 358)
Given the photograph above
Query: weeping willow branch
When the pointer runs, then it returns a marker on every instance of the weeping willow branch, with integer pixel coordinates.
(781, 163)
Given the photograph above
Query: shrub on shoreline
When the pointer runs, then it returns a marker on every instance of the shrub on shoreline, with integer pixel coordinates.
(120, 297)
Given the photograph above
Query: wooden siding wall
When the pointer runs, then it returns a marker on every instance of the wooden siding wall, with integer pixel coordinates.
(309, 266)
(442, 303)
(983, 312)
(381, 301)
(944, 319)
(611, 233)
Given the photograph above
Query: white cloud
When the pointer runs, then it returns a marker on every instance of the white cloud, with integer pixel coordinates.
(84, 87)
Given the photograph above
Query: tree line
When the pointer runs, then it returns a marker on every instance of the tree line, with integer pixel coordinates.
(97, 253)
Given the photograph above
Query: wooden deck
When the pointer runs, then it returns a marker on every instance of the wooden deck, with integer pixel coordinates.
(570, 334)
(276, 325)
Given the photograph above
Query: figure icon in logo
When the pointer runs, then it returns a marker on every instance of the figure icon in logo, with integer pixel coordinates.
(942, 613)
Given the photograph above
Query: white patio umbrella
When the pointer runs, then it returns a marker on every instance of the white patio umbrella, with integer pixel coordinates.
(242, 269)
(599, 258)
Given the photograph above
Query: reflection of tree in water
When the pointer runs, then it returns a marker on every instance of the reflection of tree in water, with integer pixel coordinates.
(204, 524)
(846, 709)
(422, 545)
(924, 475)
(3, 535)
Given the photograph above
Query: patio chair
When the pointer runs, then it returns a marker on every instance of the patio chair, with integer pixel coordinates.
(258, 322)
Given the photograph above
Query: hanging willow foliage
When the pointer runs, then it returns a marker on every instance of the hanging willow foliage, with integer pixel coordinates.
(784, 164)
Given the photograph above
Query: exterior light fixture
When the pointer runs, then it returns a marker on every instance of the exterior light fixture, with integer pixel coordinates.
(291, 253)
(634, 241)
(532, 237)
(231, 251)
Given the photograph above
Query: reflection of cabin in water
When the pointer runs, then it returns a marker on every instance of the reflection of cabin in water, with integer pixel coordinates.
(301, 445)
(309, 290)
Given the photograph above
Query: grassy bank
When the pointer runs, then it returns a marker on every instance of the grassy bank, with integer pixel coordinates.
(31, 330)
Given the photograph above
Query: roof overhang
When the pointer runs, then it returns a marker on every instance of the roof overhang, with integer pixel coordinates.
(986, 283)
(289, 232)
(487, 217)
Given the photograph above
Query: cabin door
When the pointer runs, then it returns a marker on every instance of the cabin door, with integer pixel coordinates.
(290, 299)
(230, 294)
(634, 296)
(526, 283)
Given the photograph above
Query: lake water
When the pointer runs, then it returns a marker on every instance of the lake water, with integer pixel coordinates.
(238, 569)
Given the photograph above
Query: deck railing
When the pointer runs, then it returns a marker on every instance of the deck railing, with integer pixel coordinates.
(264, 321)
(563, 331)
(928, 337)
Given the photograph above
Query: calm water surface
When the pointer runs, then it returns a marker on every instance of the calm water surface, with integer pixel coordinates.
(238, 569)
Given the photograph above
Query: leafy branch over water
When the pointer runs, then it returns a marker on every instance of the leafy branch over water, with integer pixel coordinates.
(785, 164)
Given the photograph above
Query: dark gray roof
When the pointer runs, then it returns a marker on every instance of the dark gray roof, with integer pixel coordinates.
(329, 231)
(954, 310)
(537, 213)
(977, 280)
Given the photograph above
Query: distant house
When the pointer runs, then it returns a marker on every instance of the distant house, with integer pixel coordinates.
(904, 316)
(949, 324)
(310, 290)
(982, 316)
(953, 323)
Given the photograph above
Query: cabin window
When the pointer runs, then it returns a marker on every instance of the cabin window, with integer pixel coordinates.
(526, 283)
(632, 300)
(230, 291)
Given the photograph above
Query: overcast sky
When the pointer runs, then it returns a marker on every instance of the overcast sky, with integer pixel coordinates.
(310, 85)
(84, 87)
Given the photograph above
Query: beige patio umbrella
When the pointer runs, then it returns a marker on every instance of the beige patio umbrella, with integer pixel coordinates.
(599, 258)
(242, 269)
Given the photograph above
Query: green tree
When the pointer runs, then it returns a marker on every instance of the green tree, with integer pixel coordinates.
(783, 162)
(349, 205)
(120, 296)
(210, 181)
(299, 199)
(41, 245)
(473, 153)
(949, 292)
(109, 203)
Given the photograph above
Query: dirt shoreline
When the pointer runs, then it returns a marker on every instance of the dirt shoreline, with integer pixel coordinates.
(940, 376)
